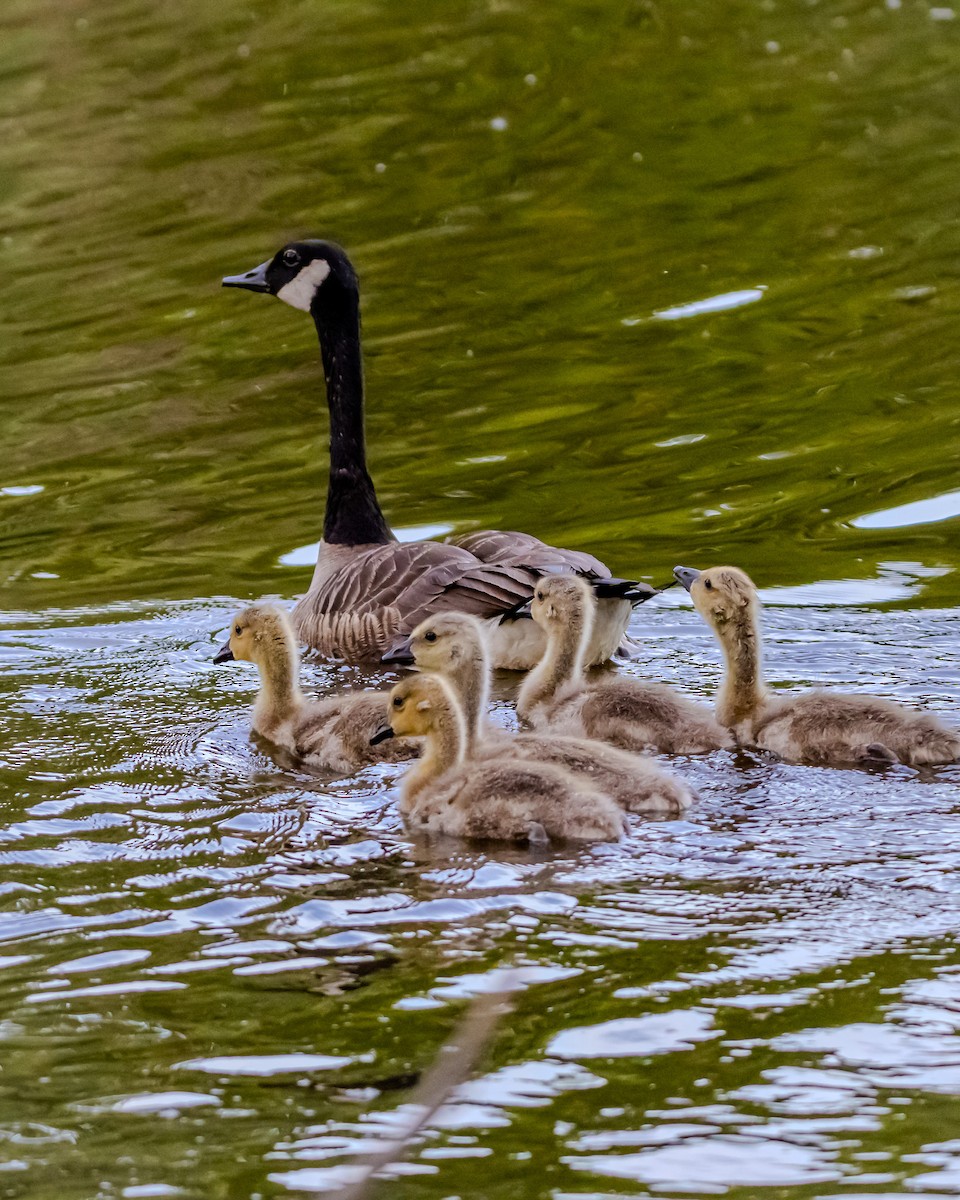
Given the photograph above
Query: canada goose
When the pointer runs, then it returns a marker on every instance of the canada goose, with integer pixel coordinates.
(367, 590)
(816, 727)
(334, 732)
(629, 713)
(505, 799)
(454, 646)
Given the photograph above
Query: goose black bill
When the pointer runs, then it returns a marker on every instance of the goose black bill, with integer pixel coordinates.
(381, 735)
(252, 281)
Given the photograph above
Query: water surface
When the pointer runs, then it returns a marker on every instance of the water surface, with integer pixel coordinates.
(671, 283)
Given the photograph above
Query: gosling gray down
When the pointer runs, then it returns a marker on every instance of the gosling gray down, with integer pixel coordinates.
(454, 646)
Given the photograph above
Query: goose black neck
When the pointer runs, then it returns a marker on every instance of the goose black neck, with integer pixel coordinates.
(353, 516)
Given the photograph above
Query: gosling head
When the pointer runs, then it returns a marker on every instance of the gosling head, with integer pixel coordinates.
(561, 601)
(721, 595)
(302, 274)
(445, 642)
(418, 706)
(257, 633)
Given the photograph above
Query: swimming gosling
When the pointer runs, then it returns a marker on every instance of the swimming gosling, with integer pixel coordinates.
(817, 727)
(334, 732)
(629, 713)
(455, 646)
(504, 800)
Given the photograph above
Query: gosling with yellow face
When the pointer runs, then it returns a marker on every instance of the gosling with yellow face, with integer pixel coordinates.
(820, 727)
(333, 733)
(505, 799)
(455, 646)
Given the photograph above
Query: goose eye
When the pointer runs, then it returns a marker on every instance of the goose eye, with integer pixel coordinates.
(430, 636)
(708, 585)
(238, 629)
(291, 258)
(398, 702)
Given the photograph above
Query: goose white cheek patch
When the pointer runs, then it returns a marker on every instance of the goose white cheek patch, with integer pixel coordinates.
(300, 291)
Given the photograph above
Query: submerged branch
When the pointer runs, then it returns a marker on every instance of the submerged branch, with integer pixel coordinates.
(454, 1062)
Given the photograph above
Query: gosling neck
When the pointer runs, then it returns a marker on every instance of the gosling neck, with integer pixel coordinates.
(279, 698)
(444, 749)
(562, 664)
(353, 516)
(742, 692)
(471, 678)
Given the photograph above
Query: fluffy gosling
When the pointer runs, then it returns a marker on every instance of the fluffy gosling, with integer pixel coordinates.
(628, 713)
(505, 800)
(333, 733)
(818, 727)
(455, 646)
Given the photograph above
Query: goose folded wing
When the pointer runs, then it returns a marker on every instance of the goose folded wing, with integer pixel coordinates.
(514, 549)
(419, 578)
(479, 590)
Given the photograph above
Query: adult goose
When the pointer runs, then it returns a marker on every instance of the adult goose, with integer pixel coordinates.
(820, 727)
(369, 591)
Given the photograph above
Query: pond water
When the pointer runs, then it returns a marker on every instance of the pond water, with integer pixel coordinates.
(671, 283)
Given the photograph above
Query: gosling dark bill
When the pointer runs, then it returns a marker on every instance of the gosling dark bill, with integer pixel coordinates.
(400, 653)
(224, 654)
(687, 576)
(381, 735)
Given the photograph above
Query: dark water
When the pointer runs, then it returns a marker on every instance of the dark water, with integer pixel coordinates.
(218, 977)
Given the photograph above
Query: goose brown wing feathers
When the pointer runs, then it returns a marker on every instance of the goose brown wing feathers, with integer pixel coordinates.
(382, 594)
(515, 549)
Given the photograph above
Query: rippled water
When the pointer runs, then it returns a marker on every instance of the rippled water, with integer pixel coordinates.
(220, 976)
(672, 283)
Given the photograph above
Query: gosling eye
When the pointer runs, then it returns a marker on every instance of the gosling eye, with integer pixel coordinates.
(430, 636)
(708, 585)
(539, 595)
(291, 257)
(238, 629)
(398, 702)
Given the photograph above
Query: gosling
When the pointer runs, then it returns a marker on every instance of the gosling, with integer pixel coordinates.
(819, 727)
(333, 733)
(628, 713)
(454, 645)
(507, 800)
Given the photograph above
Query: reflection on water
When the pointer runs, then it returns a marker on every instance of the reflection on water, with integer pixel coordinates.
(699, 308)
(921, 512)
(306, 556)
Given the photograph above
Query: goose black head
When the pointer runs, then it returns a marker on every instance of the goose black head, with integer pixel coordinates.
(300, 273)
